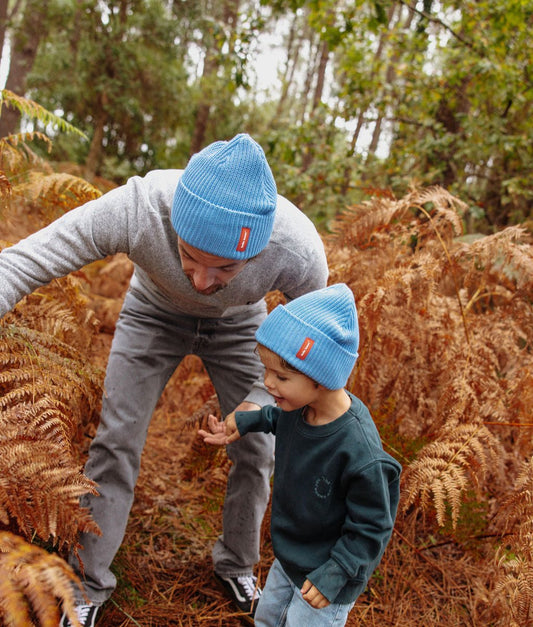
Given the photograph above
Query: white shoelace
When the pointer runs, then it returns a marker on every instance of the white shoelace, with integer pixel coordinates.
(83, 611)
(250, 587)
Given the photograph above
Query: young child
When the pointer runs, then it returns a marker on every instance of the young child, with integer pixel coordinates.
(336, 491)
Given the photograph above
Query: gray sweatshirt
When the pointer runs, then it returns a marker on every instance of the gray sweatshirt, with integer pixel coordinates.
(135, 219)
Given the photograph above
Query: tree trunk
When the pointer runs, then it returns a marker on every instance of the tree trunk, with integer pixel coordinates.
(3, 24)
(5, 17)
(309, 74)
(347, 173)
(293, 54)
(200, 126)
(94, 158)
(308, 154)
(203, 110)
(321, 75)
(449, 114)
(23, 52)
(390, 76)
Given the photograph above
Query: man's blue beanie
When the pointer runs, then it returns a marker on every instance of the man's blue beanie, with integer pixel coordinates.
(317, 333)
(225, 201)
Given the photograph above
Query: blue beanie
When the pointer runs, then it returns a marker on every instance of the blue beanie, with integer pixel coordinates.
(226, 199)
(317, 334)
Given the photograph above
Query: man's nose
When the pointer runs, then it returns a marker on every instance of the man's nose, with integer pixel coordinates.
(203, 277)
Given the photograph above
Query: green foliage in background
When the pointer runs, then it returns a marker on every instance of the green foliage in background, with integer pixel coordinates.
(371, 96)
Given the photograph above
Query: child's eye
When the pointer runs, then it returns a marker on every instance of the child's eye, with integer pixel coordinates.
(281, 378)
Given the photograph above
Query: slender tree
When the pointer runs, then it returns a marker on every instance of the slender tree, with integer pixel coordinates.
(26, 36)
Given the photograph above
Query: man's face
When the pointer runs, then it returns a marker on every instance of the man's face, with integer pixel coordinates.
(207, 273)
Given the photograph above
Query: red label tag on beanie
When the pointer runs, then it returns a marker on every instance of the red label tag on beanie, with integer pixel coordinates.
(243, 239)
(305, 348)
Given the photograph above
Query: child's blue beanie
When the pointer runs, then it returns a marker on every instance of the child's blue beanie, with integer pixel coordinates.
(225, 201)
(317, 333)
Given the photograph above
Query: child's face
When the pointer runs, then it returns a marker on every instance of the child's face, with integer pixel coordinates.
(290, 389)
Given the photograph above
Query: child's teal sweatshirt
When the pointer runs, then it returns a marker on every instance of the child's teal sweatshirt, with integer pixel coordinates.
(334, 500)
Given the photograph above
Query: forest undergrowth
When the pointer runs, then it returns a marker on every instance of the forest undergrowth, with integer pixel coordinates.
(445, 366)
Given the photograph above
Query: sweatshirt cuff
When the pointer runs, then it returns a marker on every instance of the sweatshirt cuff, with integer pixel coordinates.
(330, 579)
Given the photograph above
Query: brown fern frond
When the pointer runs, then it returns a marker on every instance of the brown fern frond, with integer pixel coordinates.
(40, 489)
(514, 590)
(5, 186)
(45, 419)
(516, 514)
(405, 329)
(59, 310)
(198, 420)
(57, 320)
(18, 161)
(442, 208)
(520, 401)
(514, 583)
(200, 456)
(446, 468)
(33, 344)
(19, 140)
(48, 391)
(32, 581)
(404, 222)
(505, 259)
(36, 365)
(56, 193)
(25, 340)
(366, 225)
(470, 390)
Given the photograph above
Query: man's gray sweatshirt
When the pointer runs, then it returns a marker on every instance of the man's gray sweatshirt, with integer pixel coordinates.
(135, 219)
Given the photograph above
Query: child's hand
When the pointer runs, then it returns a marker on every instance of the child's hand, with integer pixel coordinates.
(313, 596)
(220, 433)
(216, 434)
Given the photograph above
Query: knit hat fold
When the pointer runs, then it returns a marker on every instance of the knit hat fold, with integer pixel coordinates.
(225, 201)
(317, 334)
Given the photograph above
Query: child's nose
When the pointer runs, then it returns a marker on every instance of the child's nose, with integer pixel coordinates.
(268, 380)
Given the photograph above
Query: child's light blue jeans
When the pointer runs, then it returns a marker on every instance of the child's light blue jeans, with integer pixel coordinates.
(282, 605)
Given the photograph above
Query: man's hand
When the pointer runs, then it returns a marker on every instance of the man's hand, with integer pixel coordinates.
(247, 406)
(220, 433)
(313, 596)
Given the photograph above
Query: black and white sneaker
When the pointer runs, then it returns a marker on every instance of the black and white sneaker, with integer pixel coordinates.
(244, 591)
(86, 616)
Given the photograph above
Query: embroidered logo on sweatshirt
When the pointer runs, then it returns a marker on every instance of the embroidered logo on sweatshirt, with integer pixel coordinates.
(322, 487)
(305, 348)
(244, 238)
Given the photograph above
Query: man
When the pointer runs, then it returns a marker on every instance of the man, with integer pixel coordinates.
(207, 244)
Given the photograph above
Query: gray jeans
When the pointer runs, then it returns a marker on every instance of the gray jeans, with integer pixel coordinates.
(148, 345)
